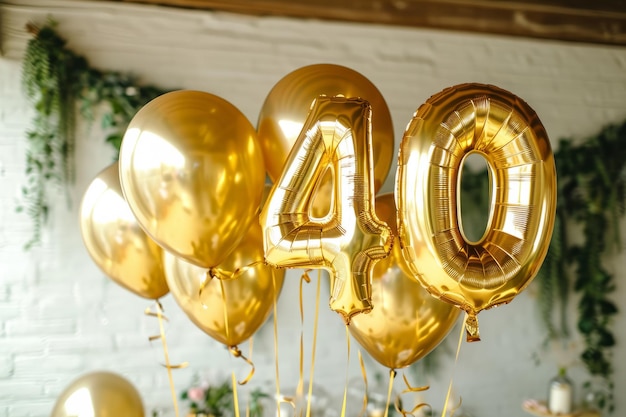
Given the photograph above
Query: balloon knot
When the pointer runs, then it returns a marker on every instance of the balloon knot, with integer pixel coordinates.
(471, 327)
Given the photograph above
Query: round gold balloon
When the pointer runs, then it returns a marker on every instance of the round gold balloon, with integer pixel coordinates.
(350, 238)
(116, 242)
(406, 322)
(459, 121)
(192, 172)
(233, 308)
(287, 105)
(99, 394)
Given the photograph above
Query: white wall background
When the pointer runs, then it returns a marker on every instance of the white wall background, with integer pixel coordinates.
(61, 317)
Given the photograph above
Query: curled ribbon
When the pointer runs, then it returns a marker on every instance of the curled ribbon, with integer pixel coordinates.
(234, 350)
(409, 388)
(223, 275)
(227, 275)
(159, 315)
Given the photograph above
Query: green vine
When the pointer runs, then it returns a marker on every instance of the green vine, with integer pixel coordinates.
(56, 79)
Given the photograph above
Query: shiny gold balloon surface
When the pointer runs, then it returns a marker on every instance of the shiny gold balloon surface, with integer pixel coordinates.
(406, 322)
(192, 172)
(116, 242)
(501, 127)
(99, 394)
(228, 310)
(349, 239)
(286, 107)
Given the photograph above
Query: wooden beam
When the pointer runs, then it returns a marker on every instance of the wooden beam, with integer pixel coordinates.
(600, 21)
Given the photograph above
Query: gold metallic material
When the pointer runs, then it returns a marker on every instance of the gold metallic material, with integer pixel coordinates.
(285, 110)
(116, 242)
(452, 124)
(231, 310)
(350, 238)
(406, 322)
(99, 394)
(192, 172)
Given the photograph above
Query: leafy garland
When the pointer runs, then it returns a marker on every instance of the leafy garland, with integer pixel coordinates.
(55, 79)
(591, 186)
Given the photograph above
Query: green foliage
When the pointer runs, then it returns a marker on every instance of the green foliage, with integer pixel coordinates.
(48, 73)
(218, 401)
(55, 79)
(593, 190)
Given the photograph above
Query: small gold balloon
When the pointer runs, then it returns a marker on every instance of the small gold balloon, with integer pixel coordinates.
(459, 121)
(232, 306)
(116, 242)
(287, 105)
(192, 172)
(99, 394)
(406, 322)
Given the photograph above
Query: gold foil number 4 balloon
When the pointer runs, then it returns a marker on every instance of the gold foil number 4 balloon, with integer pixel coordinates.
(347, 240)
(459, 121)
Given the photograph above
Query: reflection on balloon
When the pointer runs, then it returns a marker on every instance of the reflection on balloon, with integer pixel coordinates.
(349, 239)
(286, 107)
(406, 322)
(233, 308)
(116, 242)
(192, 172)
(501, 127)
(99, 394)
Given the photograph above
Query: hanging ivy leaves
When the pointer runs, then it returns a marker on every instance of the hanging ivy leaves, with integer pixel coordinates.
(55, 79)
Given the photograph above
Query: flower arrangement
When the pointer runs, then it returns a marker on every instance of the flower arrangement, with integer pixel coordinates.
(206, 400)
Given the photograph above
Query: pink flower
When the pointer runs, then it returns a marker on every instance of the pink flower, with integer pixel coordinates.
(195, 394)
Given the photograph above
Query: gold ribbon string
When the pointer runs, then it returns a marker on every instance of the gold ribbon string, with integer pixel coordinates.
(159, 315)
(314, 343)
(392, 375)
(276, 347)
(364, 373)
(299, 389)
(234, 350)
(409, 388)
(345, 390)
(235, 396)
(456, 360)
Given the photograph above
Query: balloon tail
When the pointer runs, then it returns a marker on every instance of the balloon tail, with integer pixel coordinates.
(345, 390)
(235, 396)
(159, 315)
(234, 350)
(314, 344)
(471, 326)
(409, 388)
(364, 373)
(456, 360)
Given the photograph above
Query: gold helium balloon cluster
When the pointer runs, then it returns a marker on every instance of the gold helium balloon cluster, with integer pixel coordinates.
(189, 212)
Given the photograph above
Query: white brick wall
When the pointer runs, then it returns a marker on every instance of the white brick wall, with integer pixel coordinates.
(61, 317)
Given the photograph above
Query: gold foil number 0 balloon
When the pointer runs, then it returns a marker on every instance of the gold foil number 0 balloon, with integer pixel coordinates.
(459, 121)
(347, 240)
